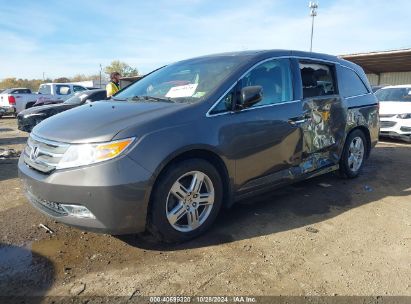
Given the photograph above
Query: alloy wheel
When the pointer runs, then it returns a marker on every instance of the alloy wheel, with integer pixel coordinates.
(356, 154)
(190, 201)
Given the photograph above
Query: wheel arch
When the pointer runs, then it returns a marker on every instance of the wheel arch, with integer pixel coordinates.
(201, 153)
(367, 135)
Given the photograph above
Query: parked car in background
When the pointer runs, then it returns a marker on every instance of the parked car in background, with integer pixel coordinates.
(29, 118)
(395, 111)
(168, 152)
(14, 100)
(51, 93)
(375, 88)
(41, 101)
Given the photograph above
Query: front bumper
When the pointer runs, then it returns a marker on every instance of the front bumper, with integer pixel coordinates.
(27, 123)
(396, 127)
(116, 192)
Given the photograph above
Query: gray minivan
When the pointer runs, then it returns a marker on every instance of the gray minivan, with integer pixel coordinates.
(168, 152)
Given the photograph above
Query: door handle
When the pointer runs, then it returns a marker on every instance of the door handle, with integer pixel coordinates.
(299, 120)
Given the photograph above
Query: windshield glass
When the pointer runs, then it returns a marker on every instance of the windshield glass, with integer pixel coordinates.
(394, 94)
(78, 98)
(186, 81)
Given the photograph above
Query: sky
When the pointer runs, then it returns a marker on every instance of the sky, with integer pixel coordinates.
(65, 38)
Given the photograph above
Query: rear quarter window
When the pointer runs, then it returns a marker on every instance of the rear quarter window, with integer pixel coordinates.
(351, 83)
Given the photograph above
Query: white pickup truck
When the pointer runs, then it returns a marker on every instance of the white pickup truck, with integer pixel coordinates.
(13, 101)
(10, 99)
(57, 92)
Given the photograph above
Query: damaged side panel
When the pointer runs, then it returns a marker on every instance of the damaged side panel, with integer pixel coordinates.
(366, 117)
(324, 132)
(305, 138)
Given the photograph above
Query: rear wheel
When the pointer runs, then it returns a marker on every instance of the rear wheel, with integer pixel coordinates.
(353, 155)
(186, 201)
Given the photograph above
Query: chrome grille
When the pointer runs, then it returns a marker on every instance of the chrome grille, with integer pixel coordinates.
(43, 155)
(387, 124)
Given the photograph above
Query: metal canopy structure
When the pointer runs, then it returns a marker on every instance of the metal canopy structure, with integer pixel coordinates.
(382, 62)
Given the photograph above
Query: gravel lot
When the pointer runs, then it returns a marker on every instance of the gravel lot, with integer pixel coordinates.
(350, 238)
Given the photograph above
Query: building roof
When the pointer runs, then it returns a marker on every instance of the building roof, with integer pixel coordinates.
(398, 86)
(382, 62)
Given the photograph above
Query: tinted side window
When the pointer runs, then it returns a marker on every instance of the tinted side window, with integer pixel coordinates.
(78, 88)
(63, 89)
(351, 83)
(21, 91)
(317, 79)
(97, 96)
(100, 96)
(275, 78)
(45, 89)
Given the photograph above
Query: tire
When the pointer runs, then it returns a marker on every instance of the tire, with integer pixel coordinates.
(353, 155)
(177, 213)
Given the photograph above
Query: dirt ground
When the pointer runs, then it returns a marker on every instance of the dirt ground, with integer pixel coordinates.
(350, 238)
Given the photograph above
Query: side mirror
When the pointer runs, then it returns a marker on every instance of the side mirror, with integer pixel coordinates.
(249, 96)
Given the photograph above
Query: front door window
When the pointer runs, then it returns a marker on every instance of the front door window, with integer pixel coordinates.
(275, 78)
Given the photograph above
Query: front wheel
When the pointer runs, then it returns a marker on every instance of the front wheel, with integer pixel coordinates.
(353, 156)
(186, 201)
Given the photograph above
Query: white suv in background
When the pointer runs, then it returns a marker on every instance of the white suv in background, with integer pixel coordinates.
(395, 111)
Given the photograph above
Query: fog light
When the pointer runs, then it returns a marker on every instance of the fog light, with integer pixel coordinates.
(77, 211)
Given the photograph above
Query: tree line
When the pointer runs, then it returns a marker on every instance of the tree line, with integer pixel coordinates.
(33, 84)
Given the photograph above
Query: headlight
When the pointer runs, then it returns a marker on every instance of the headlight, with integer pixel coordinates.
(404, 116)
(87, 154)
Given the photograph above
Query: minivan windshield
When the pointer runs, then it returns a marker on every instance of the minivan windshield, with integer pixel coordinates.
(186, 81)
(394, 94)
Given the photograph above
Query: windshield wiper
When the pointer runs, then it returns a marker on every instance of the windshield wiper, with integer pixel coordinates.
(117, 99)
(147, 98)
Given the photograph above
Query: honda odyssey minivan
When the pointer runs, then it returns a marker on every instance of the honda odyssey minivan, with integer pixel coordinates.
(167, 153)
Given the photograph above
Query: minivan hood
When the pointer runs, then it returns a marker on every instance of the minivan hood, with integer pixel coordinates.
(100, 121)
(394, 107)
